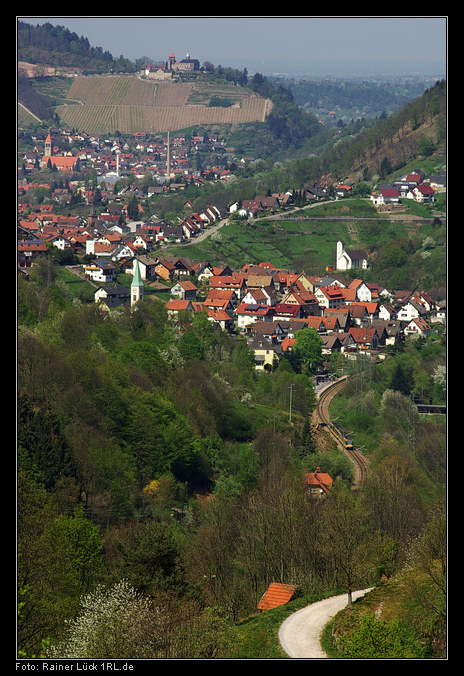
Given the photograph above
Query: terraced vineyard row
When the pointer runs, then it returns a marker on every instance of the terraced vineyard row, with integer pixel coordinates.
(130, 119)
(112, 90)
(129, 105)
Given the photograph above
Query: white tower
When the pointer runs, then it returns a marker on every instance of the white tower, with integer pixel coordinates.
(137, 285)
(343, 260)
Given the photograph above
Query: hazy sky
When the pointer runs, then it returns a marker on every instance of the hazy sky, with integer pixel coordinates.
(343, 45)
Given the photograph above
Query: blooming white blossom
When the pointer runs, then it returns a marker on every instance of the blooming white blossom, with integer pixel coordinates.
(111, 624)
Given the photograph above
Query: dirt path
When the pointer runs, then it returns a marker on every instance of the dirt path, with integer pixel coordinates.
(206, 233)
(299, 634)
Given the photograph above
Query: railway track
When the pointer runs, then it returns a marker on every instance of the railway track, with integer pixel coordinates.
(321, 417)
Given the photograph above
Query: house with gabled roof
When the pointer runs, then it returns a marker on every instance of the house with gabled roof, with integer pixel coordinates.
(316, 322)
(203, 270)
(249, 314)
(29, 250)
(387, 311)
(422, 193)
(372, 309)
(225, 299)
(318, 483)
(411, 310)
(168, 268)
(305, 299)
(390, 331)
(260, 295)
(331, 324)
(265, 351)
(365, 338)
(185, 290)
(417, 327)
(62, 243)
(176, 305)
(221, 318)
(331, 343)
(288, 311)
(343, 316)
(329, 296)
(386, 195)
(100, 270)
(112, 296)
(363, 292)
(234, 281)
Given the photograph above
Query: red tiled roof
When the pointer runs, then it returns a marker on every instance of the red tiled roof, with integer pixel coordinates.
(276, 595)
(318, 478)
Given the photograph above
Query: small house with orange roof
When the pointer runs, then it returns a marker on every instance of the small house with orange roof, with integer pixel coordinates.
(365, 338)
(318, 483)
(221, 318)
(176, 305)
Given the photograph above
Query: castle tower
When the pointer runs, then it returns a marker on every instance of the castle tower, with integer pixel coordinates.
(137, 285)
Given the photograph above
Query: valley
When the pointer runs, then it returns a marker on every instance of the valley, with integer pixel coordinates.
(198, 255)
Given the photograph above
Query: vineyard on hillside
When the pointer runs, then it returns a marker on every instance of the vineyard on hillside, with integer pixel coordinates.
(105, 104)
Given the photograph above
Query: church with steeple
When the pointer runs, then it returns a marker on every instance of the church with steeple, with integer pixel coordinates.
(60, 162)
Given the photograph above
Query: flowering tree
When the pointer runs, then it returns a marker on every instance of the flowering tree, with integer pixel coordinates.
(113, 623)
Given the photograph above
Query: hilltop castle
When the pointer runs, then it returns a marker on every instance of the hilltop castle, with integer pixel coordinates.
(171, 68)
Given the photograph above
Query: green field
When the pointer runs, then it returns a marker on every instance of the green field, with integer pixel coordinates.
(309, 243)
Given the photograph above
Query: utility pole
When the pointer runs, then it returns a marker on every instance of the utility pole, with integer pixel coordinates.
(291, 392)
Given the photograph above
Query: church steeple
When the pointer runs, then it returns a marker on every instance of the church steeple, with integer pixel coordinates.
(48, 145)
(137, 285)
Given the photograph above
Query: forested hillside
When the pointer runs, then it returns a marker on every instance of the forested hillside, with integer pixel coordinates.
(57, 46)
(340, 100)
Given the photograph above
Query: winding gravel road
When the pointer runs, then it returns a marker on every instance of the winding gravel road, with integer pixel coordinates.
(299, 634)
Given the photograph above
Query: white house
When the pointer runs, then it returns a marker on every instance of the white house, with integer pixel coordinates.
(416, 328)
(122, 251)
(386, 196)
(184, 290)
(386, 311)
(60, 242)
(363, 292)
(329, 296)
(422, 193)
(410, 311)
(100, 270)
(249, 314)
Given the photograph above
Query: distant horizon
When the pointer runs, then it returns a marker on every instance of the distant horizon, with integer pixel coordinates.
(331, 46)
(335, 70)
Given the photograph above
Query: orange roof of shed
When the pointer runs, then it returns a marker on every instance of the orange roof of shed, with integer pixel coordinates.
(276, 595)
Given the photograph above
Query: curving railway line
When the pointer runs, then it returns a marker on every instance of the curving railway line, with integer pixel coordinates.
(321, 418)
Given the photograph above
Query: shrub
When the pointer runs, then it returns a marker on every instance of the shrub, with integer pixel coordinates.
(376, 638)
